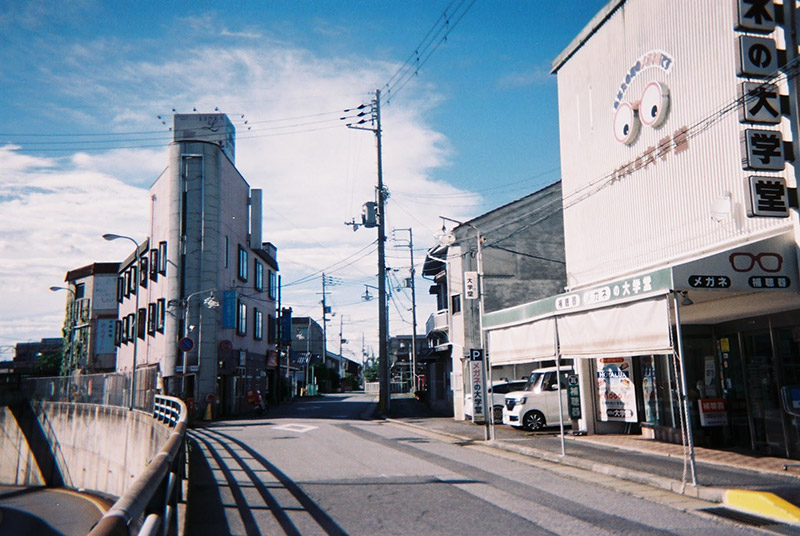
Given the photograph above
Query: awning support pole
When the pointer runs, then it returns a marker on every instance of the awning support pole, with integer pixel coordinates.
(558, 380)
(684, 389)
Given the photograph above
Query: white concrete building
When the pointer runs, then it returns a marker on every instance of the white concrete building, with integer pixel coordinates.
(678, 127)
(207, 284)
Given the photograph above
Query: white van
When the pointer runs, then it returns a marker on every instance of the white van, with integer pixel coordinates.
(536, 405)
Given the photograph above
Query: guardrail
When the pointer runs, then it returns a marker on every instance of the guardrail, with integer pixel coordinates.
(150, 505)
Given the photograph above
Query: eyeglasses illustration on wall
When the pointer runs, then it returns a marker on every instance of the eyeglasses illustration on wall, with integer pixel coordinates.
(744, 262)
(651, 111)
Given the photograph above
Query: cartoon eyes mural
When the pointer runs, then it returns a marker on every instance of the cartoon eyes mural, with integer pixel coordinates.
(654, 105)
(651, 110)
(626, 123)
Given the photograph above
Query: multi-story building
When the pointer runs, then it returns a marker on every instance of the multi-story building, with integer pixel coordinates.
(510, 255)
(204, 282)
(35, 358)
(678, 124)
(90, 318)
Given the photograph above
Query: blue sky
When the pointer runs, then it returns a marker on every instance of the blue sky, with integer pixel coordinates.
(475, 128)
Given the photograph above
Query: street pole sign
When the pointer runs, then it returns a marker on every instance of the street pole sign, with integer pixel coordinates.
(477, 380)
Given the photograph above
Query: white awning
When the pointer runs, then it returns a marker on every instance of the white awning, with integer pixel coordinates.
(636, 328)
(524, 343)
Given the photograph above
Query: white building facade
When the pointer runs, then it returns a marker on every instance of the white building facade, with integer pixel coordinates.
(676, 127)
(207, 284)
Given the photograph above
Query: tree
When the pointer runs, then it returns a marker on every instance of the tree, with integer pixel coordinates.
(371, 370)
(48, 364)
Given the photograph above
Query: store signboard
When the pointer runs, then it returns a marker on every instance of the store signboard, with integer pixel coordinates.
(470, 285)
(767, 197)
(616, 396)
(478, 385)
(712, 412)
(769, 265)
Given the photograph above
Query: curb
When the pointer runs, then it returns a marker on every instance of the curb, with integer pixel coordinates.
(705, 493)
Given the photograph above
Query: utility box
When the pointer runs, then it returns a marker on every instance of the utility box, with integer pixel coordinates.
(369, 214)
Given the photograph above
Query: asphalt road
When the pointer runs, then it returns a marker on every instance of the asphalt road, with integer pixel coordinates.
(48, 512)
(317, 467)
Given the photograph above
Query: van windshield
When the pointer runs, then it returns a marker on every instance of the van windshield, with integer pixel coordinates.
(535, 382)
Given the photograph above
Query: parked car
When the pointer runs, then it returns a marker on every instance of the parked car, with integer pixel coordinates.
(496, 393)
(536, 404)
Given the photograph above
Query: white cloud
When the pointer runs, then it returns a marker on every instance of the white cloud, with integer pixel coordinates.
(314, 180)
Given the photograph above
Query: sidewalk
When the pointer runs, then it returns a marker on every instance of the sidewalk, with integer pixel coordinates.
(770, 491)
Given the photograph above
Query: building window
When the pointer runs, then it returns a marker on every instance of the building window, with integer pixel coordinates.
(259, 277)
(242, 263)
(455, 303)
(125, 330)
(80, 291)
(143, 272)
(271, 329)
(126, 281)
(121, 288)
(241, 319)
(161, 314)
(154, 264)
(151, 319)
(132, 279)
(273, 284)
(141, 328)
(258, 324)
(117, 332)
(162, 258)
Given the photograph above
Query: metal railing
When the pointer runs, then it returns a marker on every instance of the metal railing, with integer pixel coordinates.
(111, 389)
(150, 506)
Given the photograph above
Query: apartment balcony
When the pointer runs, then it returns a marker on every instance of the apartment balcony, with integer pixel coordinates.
(437, 322)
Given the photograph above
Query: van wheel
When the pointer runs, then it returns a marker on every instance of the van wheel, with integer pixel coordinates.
(498, 414)
(533, 420)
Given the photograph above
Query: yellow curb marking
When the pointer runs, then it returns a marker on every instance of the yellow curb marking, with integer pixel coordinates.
(762, 503)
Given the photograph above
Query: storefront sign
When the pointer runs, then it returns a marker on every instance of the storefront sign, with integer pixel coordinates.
(757, 58)
(470, 285)
(616, 396)
(761, 103)
(478, 387)
(762, 150)
(767, 265)
(768, 196)
(712, 412)
(755, 15)
(574, 396)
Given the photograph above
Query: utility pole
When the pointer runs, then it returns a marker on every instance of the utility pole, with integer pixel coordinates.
(324, 322)
(384, 398)
(413, 311)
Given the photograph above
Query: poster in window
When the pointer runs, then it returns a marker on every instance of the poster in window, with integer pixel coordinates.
(616, 396)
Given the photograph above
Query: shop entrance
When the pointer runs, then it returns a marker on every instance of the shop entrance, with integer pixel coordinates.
(755, 365)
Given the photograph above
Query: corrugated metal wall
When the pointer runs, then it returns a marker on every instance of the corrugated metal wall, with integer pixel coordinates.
(659, 209)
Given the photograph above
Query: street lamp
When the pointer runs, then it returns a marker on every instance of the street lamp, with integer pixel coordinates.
(66, 368)
(109, 237)
(210, 303)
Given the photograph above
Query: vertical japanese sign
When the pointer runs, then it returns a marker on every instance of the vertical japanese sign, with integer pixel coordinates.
(762, 149)
(470, 285)
(478, 384)
(616, 395)
(574, 396)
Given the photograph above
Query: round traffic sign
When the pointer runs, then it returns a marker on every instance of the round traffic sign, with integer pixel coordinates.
(185, 344)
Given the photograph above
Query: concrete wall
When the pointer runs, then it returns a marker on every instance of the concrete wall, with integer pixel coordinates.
(99, 448)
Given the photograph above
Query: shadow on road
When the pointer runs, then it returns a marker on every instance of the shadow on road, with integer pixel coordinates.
(200, 517)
